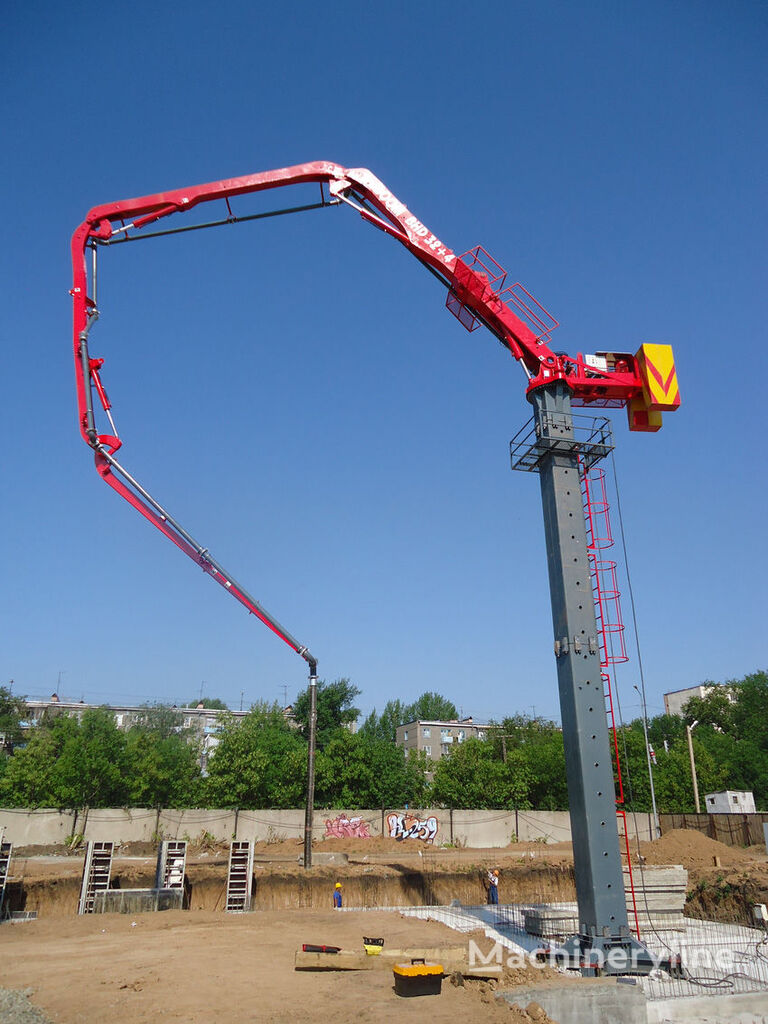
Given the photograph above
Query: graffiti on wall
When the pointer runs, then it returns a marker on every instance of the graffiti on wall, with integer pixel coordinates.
(342, 827)
(406, 826)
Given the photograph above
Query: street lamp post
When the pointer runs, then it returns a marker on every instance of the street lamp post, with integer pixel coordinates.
(656, 828)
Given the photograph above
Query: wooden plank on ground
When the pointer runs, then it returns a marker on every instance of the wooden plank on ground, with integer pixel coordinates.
(345, 960)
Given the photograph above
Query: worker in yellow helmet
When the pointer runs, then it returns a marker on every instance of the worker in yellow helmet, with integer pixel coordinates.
(493, 886)
(337, 896)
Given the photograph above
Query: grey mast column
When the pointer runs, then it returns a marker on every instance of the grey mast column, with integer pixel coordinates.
(603, 924)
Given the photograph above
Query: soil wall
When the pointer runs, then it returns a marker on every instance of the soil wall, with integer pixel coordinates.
(286, 890)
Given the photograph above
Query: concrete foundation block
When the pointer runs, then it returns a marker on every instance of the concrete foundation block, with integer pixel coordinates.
(744, 1008)
(586, 1001)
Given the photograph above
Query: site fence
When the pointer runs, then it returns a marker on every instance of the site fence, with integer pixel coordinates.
(437, 825)
(731, 829)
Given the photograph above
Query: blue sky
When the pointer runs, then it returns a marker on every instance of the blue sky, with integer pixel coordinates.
(295, 392)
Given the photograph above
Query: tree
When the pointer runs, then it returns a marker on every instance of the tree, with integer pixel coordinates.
(749, 714)
(664, 728)
(540, 745)
(212, 703)
(160, 720)
(363, 771)
(334, 709)
(715, 708)
(471, 776)
(259, 762)
(429, 706)
(31, 777)
(13, 711)
(92, 766)
(163, 769)
(70, 763)
(384, 726)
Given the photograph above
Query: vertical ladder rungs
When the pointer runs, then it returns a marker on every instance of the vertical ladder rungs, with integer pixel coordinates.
(97, 868)
(239, 877)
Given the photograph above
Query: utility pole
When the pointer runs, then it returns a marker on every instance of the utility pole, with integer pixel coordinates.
(310, 806)
(688, 731)
(242, 694)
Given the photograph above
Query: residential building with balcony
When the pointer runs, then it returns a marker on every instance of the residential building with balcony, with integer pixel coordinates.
(437, 739)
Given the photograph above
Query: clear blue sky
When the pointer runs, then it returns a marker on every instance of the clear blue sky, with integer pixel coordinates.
(295, 392)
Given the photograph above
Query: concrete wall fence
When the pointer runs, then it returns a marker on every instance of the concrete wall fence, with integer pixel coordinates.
(461, 827)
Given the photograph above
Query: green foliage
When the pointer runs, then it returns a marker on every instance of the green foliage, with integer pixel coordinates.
(750, 720)
(13, 711)
(91, 768)
(163, 771)
(259, 762)
(335, 709)
(730, 745)
(363, 771)
(212, 703)
(384, 726)
(159, 720)
(67, 763)
(430, 706)
(716, 709)
(539, 743)
(471, 776)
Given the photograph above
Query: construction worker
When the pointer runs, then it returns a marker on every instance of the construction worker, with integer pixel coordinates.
(337, 896)
(493, 886)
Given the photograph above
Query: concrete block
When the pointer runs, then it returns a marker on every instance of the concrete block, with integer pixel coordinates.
(137, 901)
(744, 1008)
(585, 1001)
(551, 922)
(325, 858)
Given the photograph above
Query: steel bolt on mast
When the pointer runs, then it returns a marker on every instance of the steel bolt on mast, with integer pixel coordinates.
(645, 383)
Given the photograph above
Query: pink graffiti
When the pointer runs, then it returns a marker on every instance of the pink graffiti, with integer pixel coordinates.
(343, 827)
(406, 826)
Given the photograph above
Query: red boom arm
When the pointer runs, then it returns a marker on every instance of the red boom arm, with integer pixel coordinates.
(474, 292)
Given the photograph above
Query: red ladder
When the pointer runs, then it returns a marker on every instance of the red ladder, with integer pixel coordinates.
(610, 627)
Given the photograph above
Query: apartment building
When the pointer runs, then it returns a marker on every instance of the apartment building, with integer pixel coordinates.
(436, 739)
(676, 699)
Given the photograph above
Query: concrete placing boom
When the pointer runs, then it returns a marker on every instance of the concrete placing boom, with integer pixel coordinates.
(645, 383)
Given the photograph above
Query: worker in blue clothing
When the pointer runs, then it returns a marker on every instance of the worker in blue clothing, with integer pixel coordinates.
(337, 896)
(493, 886)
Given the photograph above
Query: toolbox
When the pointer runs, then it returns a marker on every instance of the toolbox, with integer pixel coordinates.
(418, 978)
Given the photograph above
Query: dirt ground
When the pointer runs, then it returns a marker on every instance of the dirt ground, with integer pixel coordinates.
(202, 965)
(211, 968)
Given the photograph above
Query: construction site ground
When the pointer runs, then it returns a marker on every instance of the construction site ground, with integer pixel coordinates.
(204, 965)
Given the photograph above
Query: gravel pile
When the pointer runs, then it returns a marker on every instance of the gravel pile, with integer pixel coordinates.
(15, 1008)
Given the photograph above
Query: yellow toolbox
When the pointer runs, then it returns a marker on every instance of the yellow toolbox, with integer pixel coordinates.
(418, 978)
